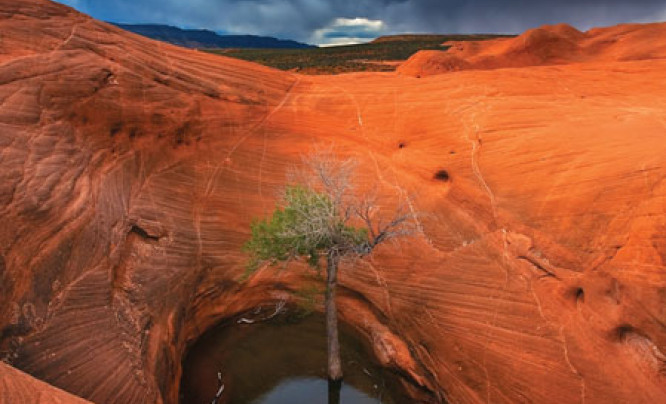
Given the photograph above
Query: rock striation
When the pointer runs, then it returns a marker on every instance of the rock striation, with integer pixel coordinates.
(18, 387)
(131, 169)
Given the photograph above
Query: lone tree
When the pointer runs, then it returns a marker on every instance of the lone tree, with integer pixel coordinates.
(320, 215)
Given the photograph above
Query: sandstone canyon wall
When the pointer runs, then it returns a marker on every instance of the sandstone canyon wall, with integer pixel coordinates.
(130, 171)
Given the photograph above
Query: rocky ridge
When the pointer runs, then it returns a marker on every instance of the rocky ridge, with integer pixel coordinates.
(544, 46)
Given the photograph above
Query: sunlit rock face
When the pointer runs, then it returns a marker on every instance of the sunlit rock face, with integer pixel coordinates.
(544, 46)
(130, 171)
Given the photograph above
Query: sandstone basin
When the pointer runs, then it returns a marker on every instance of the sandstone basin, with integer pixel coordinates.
(131, 169)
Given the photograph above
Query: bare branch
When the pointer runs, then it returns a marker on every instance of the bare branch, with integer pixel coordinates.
(332, 217)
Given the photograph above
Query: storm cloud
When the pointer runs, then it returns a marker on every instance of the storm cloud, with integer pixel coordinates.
(345, 21)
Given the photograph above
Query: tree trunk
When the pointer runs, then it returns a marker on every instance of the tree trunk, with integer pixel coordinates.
(334, 363)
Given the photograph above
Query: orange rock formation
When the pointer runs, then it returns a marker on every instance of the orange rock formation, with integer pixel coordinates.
(548, 45)
(131, 169)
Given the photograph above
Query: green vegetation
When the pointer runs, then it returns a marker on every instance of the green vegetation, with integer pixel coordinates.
(379, 55)
(306, 226)
(321, 217)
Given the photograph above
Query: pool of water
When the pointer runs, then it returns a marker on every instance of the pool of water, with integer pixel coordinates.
(280, 361)
(313, 390)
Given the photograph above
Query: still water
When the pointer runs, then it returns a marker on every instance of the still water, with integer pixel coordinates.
(280, 361)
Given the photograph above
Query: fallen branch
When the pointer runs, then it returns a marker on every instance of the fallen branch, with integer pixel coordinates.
(279, 308)
(245, 321)
(220, 390)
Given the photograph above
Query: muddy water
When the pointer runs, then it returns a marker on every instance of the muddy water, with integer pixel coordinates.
(282, 361)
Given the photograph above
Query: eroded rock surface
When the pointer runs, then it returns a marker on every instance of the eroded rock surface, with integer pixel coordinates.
(547, 45)
(130, 171)
(18, 387)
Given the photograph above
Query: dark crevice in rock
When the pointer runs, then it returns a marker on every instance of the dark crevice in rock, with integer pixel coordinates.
(115, 128)
(139, 231)
(620, 333)
(433, 391)
(442, 175)
(535, 263)
(421, 393)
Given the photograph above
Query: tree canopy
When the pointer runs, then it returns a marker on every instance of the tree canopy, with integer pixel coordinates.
(307, 225)
(319, 213)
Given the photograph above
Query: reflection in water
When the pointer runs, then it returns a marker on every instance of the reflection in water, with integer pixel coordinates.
(311, 390)
(282, 361)
(334, 388)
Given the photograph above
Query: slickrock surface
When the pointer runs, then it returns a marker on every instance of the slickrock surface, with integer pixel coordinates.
(547, 45)
(130, 171)
(18, 387)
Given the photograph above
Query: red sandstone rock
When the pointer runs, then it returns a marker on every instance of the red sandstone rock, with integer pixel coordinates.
(130, 171)
(18, 387)
(548, 45)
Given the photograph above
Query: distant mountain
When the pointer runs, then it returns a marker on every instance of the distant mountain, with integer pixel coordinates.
(201, 38)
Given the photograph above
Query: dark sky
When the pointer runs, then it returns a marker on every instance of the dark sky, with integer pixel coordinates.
(345, 21)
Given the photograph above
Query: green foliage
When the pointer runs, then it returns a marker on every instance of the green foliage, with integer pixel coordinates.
(308, 298)
(348, 58)
(308, 225)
